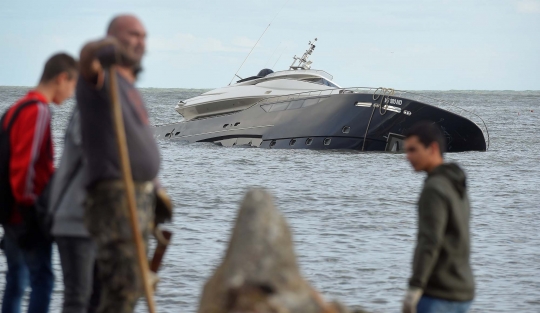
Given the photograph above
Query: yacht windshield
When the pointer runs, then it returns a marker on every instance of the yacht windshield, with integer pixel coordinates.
(321, 81)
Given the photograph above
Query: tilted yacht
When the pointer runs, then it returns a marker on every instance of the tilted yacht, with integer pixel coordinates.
(302, 108)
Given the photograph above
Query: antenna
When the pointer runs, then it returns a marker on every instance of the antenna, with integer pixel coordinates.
(236, 74)
(270, 58)
(303, 62)
(279, 56)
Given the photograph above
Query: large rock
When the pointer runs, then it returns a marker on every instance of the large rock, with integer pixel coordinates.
(259, 272)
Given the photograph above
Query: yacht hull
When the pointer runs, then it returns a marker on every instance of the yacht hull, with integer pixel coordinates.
(352, 121)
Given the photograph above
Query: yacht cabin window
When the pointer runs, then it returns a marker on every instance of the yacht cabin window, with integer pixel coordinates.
(321, 81)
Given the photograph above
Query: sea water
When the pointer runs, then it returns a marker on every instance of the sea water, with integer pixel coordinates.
(352, 214)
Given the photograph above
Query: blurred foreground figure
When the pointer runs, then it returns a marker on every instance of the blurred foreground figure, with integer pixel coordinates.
(106, 211)
(76, 249)
(26, 167)
(442, 279)
(259, 272)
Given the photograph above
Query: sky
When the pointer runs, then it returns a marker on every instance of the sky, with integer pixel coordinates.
(410, 45)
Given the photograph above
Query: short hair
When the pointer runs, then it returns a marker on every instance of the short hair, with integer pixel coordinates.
(57, 64)
(427, 133)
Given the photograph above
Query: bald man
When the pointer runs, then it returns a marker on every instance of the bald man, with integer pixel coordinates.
(105, 211)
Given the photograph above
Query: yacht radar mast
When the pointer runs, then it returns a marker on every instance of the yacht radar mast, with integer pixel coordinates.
(303, 62)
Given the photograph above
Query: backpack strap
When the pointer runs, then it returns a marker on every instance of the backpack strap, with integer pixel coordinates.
(16, 113)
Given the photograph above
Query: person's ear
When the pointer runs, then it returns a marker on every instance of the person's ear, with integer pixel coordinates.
(435, 149)
(61, 77)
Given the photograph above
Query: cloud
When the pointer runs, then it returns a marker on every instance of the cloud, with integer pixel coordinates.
(528, 6)
(244, 42)
(188, 43)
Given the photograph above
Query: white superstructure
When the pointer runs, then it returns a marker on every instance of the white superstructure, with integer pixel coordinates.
(246, 92)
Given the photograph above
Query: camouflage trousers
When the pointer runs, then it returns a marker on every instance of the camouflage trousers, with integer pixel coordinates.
(107, 219)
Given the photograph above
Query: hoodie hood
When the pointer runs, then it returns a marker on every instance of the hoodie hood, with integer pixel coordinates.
(455, 174)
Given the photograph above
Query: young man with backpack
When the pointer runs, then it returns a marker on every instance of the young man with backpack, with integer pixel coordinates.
(26, 166)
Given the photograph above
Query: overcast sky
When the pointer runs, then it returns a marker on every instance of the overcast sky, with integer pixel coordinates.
(415, 44)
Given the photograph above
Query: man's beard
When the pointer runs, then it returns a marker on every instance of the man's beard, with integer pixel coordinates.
(137, 69)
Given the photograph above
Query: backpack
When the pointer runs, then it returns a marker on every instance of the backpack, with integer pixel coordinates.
(7, 201)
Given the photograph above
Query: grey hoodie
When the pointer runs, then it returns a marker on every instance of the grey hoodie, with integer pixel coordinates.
(68, 190)
(441, 265)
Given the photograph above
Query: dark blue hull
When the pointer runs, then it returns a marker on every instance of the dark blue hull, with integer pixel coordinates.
(344, 121)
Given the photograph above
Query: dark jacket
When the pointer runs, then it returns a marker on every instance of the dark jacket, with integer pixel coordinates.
(441, 264)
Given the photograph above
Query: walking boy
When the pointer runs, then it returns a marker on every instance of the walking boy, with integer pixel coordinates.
(29, 167)
(442, 279)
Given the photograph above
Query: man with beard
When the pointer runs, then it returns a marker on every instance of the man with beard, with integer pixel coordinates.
(106, 210)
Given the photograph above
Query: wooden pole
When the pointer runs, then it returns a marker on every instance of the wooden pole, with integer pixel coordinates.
(130, 189)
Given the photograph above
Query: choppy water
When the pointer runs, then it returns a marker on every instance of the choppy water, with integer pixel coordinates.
(352, 214)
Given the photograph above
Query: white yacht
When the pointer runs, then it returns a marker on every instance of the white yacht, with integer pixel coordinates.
(304, 108)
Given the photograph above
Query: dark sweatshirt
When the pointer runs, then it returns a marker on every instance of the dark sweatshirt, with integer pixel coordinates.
(441, 264)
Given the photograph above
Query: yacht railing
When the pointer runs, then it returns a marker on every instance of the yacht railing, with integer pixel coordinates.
(449, 106)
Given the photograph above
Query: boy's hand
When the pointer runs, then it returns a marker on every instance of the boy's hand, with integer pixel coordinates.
(412, 296)
(110, 52)
(102, 54)
(164, 207)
